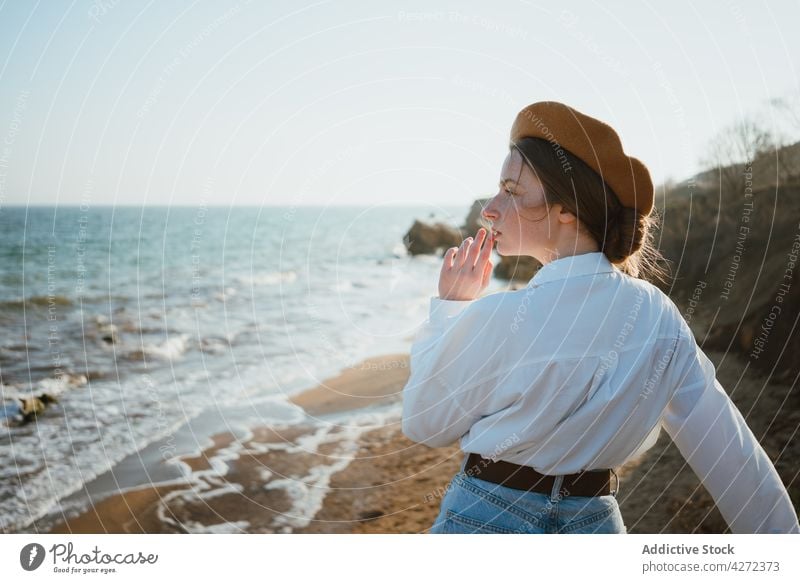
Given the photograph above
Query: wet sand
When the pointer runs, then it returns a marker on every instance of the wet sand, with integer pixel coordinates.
(388, 484)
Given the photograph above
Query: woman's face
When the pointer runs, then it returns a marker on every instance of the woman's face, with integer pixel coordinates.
(523, 223)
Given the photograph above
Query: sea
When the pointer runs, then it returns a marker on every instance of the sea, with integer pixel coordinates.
(142, 322)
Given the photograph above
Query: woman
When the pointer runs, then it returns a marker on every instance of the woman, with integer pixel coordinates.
(552, 387)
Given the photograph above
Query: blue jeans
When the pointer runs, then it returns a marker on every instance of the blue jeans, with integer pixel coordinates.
(472, 505)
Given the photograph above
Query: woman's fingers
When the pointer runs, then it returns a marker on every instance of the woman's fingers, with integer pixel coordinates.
(486, 250)
(487, 273)
(463, 252)
(448, 258)
(476, 248)
(466, 269)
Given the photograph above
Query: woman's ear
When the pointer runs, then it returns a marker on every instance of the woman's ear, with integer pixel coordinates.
(565, 216)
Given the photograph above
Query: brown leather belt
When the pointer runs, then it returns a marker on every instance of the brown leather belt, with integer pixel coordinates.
(588, 483)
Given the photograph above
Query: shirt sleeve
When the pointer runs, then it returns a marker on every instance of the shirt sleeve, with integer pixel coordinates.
(450, 381)
(715, 440)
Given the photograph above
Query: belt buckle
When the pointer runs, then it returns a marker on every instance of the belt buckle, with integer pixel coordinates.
(616, 483)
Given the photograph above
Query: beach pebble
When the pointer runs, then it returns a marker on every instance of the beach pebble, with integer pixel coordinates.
(370, 514)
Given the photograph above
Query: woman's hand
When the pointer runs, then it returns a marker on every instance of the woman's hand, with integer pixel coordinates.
(466, 270)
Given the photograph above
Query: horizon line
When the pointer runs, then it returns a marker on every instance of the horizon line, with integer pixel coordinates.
(156, 205)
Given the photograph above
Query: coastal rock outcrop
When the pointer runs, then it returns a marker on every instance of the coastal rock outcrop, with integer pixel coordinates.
(474, 221)
(423, 238)
(516, 268)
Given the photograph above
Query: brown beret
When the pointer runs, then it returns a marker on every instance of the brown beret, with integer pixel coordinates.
(594, 142)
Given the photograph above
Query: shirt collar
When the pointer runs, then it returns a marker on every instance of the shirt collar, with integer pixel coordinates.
(573, 266)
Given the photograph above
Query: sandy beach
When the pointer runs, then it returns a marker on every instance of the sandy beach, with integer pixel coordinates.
(388, 484)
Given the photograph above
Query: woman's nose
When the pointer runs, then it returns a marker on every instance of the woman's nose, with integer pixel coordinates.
(488, 211)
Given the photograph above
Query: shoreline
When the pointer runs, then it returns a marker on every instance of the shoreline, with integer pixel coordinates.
(372, 384)
(384, 483)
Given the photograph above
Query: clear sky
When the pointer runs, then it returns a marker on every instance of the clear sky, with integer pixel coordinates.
(294, 103)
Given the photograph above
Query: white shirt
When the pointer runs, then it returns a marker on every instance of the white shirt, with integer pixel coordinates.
(579, 370)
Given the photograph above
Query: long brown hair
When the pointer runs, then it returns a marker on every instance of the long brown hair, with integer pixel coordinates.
(624, 236)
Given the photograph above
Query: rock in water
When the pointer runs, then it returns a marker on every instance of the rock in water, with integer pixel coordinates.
(474, 220)
(423, 238)
(516, 267)
(30, 408)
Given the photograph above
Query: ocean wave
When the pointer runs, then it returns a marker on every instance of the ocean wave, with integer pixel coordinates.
(236, 527)
(271, 278)
(306, 493)
(342, 285)
(36, 301)
(83, 464)
(53, 386)
(349, 284)
(61, 384)
(399, 250)
(21, 347)
(22, 403)
(217, 344)
(225, 294)
(172, 348)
